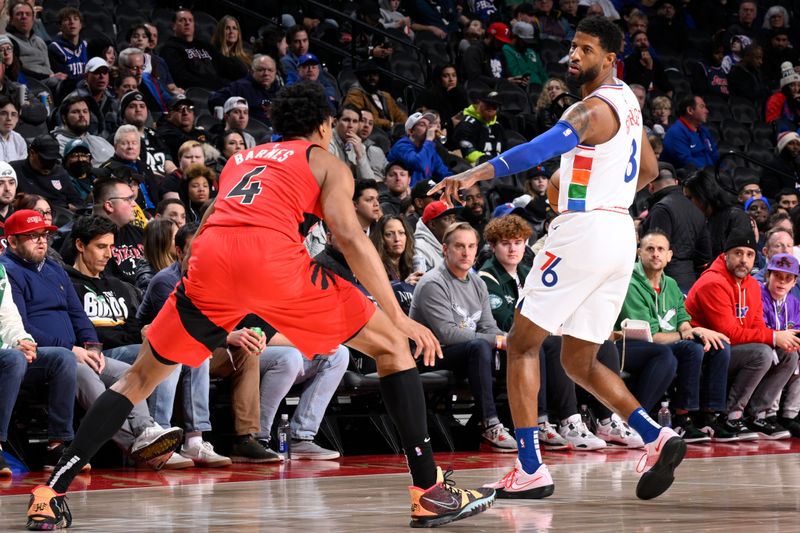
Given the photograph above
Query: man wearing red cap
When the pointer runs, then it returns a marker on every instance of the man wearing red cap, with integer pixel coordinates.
(484, 59)
(428, 235)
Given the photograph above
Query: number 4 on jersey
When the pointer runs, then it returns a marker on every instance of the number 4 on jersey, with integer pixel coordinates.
(248, 187)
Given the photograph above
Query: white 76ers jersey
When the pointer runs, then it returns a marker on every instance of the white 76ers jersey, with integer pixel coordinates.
(604, 176)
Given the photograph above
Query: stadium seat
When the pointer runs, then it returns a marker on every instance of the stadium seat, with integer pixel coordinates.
(204, 25)
(206, 121)
(199, 96)
(764, 131)
(717, 111)
(408, 68)
(736, 134)
(744, 113)
(260, 131)
(346, 79)
(551, 51)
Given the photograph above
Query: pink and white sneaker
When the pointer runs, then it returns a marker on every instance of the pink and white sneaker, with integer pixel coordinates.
(664, 454)
(518, 484)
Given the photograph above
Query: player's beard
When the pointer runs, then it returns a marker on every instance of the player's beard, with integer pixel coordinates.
(574, 83)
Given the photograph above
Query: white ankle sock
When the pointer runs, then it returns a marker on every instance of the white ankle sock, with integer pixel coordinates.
(194, 441)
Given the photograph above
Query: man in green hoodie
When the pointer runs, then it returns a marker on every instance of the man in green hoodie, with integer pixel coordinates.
(480, 136)
(700, 355)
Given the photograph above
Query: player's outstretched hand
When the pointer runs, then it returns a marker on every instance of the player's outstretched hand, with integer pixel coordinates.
(427, 344)
(451, 185)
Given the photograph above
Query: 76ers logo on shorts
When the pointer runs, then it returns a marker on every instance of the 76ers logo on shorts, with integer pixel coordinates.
(549, 274)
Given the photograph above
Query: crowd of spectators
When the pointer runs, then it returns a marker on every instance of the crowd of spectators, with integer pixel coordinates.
(112, 139)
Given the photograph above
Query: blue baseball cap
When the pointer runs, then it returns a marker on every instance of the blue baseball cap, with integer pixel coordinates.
(306, 59)
(506, 209)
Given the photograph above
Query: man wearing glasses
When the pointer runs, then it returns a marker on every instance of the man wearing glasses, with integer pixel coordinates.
(115, 199)
(40, 173)
(53, 315)
(178, 127)
(259, 88)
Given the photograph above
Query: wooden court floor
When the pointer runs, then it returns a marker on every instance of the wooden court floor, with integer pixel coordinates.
(752, 487)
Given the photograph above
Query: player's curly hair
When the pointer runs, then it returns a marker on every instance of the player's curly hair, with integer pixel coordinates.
(507, 227)
(606, 31)
(300, 109)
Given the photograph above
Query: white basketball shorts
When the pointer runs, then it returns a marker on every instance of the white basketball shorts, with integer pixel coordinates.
(580, 278)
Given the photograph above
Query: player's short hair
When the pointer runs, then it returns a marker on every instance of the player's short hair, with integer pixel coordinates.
(299, 109)
(362, 185)
(458, 226)
(507, 227)
(606, 31)
(656, 232)
(89, 227)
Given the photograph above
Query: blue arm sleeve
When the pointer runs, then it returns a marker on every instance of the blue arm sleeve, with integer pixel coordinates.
(559, 139)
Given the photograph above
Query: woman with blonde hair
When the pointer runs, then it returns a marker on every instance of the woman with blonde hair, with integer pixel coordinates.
(551, 90)
(227, 39)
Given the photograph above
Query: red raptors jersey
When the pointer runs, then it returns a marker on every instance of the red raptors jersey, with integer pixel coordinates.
(269, 186)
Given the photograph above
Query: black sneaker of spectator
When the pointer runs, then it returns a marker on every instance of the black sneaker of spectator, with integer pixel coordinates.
(683, 426)
(768, 428)
(249, 450)
(709, 424)
(54, 454)
(792, 424)
(738, 428)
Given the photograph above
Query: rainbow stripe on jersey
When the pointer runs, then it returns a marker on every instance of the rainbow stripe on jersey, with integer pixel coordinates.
(579, 184)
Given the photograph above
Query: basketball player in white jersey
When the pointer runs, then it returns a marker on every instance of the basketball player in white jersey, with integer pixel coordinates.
(579, 279)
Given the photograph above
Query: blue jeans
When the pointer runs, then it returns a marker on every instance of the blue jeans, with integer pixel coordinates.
(653, 367)
(701, 377)
(476, 357)
(282, 367)
(53, 366)
(195, 383)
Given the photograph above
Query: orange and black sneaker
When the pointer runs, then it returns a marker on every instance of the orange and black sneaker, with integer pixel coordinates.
(444, 503)
(48, 510)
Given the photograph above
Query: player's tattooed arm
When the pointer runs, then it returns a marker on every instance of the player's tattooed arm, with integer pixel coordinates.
(578, 116)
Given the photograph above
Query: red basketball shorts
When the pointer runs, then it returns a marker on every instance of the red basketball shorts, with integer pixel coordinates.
(237, 271)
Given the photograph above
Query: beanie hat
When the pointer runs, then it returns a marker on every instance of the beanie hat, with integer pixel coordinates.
(740, 239)
(788, 74)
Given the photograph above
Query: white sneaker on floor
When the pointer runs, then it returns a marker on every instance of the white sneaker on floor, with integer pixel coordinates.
(618, 433)
(550, 439)
(204, 455)
(308, 449)
(498, 439)
(155, 445)
(578, 435)
(178, 462)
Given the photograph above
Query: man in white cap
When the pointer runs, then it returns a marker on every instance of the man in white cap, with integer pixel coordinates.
(788, 161)
(417, 150)
(8, 189)
(235, 116)
(521, 59)
(103, 106)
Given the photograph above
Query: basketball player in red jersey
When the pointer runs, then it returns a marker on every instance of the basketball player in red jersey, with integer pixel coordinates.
(248, 257)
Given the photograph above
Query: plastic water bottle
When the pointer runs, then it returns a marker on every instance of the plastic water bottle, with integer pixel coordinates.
(664, 416)
(284, 437)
